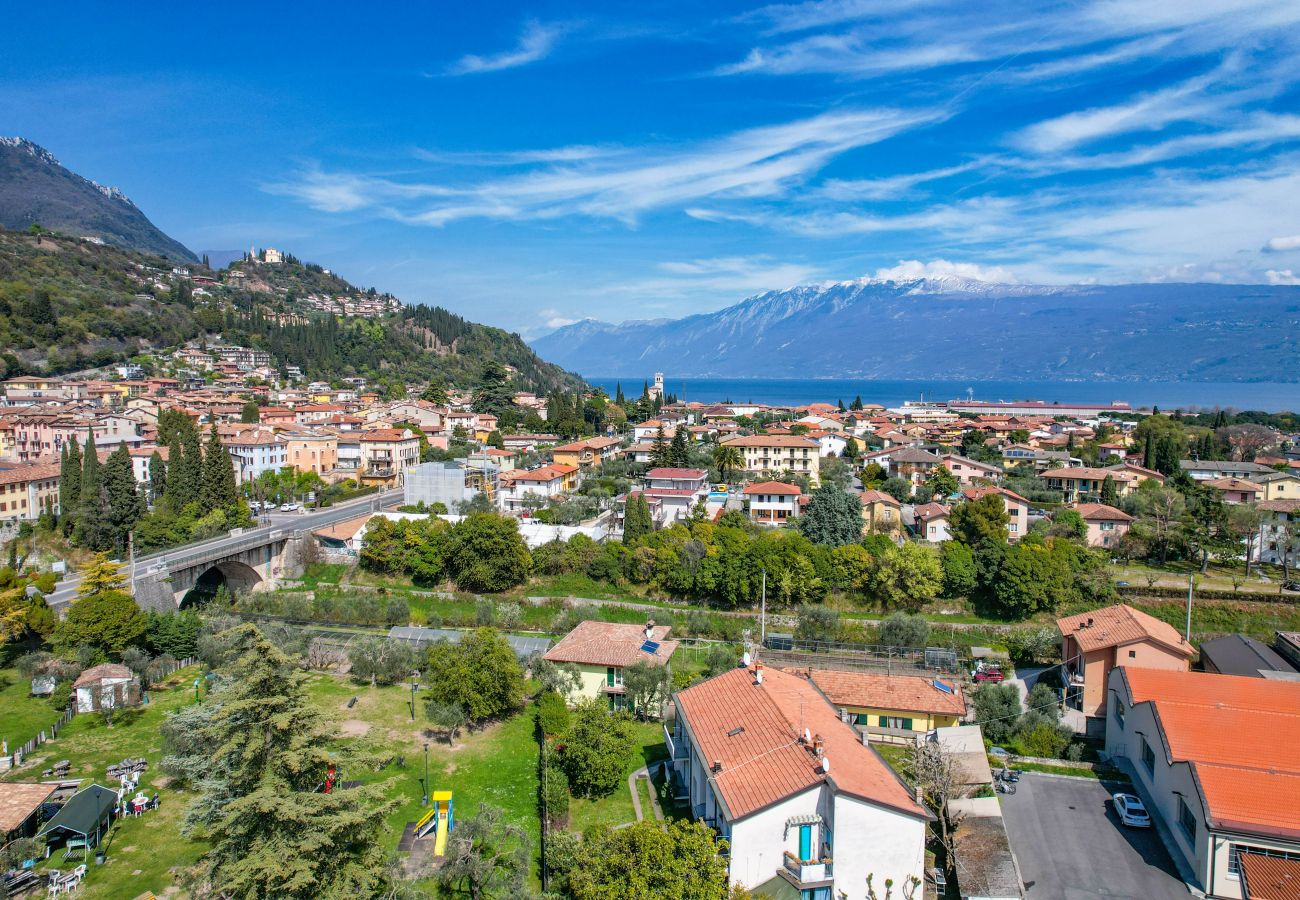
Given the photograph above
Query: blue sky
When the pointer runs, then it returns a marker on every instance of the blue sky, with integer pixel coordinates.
(528, 165)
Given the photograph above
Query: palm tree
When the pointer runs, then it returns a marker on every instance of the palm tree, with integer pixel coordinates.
(727, 459)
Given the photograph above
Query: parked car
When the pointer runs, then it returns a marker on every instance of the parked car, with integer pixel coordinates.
(1131, 812)
(991, 673)
(1291, 585)
(288, 507)
(1121, 584)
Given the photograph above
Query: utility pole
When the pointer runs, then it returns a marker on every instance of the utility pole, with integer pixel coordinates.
(762, 616)
(1187, 633)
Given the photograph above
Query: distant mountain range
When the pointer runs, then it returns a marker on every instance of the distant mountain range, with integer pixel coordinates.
(959, 328)
(36, 190)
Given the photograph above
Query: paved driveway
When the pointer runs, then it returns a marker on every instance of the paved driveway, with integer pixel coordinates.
(1070, 846)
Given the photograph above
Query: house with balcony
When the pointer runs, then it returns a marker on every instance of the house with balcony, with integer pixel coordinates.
(772, 502)
(1094, 643)
(1084, 482)
(254, 449)
(1214, 759)
(386, 453)
(677, 490)
(586, 454)
(776, 453)
(1279, 533)
(541, 485)
(933, 523)
(970, 472)
(600, 651)
(807, 808)
(1235, 490)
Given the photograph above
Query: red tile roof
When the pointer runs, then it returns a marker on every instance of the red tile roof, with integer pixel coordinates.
(1269, 877)
(594, 643)
(677, 474)
(752, 731)
(21, 474)
(1239, 734)
(772, 487)
(908, 692)
(1121, 624)
(770, 440)
(1100, 511)
(19, 801)
(545, 473)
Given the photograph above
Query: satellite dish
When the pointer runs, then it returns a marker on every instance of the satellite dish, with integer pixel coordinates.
(807, 736)
(746, 660)
(826, 765)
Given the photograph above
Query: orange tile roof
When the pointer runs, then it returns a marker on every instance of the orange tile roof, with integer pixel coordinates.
(766, 762)
(1102, 511)
(545, 473)
(772, 487)
(770, 440)
(21, 474)
(345, 530)
(1239, 735)
(611, 644)
(1270, 877)
(20, 800)
(1121, 624)
(908, 692)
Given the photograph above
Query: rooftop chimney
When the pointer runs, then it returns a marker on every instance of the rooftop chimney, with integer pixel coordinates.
(649, 629)
(819, 746)
(1088, 624)
(717, 766)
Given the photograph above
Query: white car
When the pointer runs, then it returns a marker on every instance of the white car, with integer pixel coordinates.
(1131, 812)
(288, 507)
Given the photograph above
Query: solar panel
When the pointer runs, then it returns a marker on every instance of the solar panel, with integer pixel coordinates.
(947, 689)
(650, 647)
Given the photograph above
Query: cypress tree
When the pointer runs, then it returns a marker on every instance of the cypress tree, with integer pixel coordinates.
(123, 499)
(69, 484)
(1148, 453)
(92, 528)
(1109, 493)
(636, 519)
(157, 476)
(185, 471)
(219, 489)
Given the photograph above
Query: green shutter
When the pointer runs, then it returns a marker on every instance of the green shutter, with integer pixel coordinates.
(609, 676)
(907, 724)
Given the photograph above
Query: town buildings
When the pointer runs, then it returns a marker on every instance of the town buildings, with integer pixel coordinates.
(772, 454)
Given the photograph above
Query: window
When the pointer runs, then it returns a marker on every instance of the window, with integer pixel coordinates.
(1235, 851)
(1132, 654)
(1013, 527)
(896, 722)
(1186, 820)
(1119, 711)
(1148, 757)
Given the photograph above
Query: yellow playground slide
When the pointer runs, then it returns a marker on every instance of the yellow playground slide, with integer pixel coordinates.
(440, 841)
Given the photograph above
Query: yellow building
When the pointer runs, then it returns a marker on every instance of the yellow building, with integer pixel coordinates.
(585, 454)
(1279, 486)
(772, 454)
(602, 650)
(308, 452)
(883, 705)
(881, 513)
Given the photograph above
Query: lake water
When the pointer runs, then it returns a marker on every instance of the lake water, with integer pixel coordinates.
(1186, 395)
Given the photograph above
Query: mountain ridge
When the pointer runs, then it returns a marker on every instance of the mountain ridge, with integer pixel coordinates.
(958, 327)
(36, 189)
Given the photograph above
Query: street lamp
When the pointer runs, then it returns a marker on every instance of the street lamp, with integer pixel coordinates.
(425, 783)
(415, 686)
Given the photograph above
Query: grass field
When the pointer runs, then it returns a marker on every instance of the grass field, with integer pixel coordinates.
(24, 715)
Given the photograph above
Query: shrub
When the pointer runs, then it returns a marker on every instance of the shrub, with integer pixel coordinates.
(1028, 646)
(903, 630)
(552, 715)
(1044, 739)
(599, 749)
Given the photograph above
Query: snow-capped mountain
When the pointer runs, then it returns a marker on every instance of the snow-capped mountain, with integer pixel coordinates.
(950, 326)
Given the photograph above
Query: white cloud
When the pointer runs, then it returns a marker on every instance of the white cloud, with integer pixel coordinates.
(756, 163)
(1282, 276)
(553, 319)
(536, 43)
(1282, 244)
(912, 269)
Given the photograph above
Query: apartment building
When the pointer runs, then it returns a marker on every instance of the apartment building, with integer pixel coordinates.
(776, 453)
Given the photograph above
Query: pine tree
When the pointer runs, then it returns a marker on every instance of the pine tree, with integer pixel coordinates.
(856, 405)
(273, 831)
(219, 489)
(679, 455)
(660, 452)
(840, 405)
(123, 499)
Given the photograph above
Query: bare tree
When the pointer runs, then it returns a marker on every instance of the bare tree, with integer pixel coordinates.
(1247, 440)
(933, 771)
(322, 655)
(1246, 521)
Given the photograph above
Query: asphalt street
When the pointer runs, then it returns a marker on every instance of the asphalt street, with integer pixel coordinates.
(1070, 845)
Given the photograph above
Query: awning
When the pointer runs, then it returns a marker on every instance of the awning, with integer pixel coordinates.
(86, 813)
(805, 819)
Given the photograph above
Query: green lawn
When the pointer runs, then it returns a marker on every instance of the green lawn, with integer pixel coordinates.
(143, 850)
(22, 716)
(1219, 578)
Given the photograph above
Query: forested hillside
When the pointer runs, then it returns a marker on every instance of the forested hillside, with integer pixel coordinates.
(67, 304)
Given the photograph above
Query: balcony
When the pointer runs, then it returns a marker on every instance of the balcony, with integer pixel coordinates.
(806, 873)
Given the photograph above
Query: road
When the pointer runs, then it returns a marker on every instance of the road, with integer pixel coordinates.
(66, 590)
(1070, 846)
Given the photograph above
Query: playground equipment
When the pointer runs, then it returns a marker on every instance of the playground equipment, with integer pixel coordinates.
(330, 778)
(438, 819)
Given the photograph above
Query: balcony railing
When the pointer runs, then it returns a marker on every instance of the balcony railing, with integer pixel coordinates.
(808, 871)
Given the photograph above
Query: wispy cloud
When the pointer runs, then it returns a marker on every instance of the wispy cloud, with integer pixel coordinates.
(912, 269)
(535, 43)
(764, 162)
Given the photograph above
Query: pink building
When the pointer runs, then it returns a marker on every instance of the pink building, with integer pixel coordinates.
(1106, 524)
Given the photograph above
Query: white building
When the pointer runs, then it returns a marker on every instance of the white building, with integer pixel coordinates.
(764, 758)
(677, 490)
(1214, 758)
(254, 450)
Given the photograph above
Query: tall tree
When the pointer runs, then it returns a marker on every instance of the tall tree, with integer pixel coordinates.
(728, 459)
(637, 523)
(679, 454)
(660, 452)
(219, 488)
(184, 467)
(251, 413)
(70, 485)
(1109, 492)
(157, 476)
(273, 831)
(648, 862)
(833, 517)
(494, 393)
(123, 506)
(480, 673)
(93, 529)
